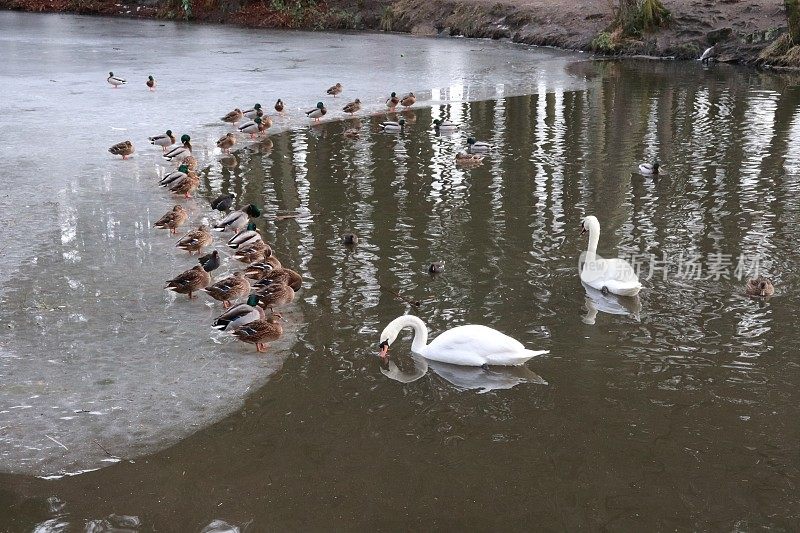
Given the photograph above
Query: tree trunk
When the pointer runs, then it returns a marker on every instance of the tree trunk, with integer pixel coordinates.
(793, 16)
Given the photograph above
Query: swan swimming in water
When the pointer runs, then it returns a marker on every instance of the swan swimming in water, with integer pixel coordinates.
(469, 345)
(607, 275)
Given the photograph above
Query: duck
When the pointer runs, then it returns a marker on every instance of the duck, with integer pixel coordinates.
(251, 252)
(226, 142)
(222, 202)
(408, 100)
(352, 133)
(186, 186)
(190, 161)
(335, 89)
(245, 238)
(261, 331)
(239, 315)
(236, 220)
(437, 267)
(188, 282)
(649, 169)
(115, 81)
(262, 268)
(445, 126)
(163, 140)
(464, 158)
(318, 112)
(251, 127)
(284, 276)
(606, 275)
(195, 240)
(279, 106)
(172, 219)
(151, 83)
(253, 113)
(470, 345)
(353, 107)
(392, 101)
(180, 152)
(229, 288)
(265, 124)
(274, 295)
(477, 147)
(760, 287)
(709, 54)
(124, 148)
(390, 126)
(233, 117)
(210, 261)
(349, 239)
(171, 179)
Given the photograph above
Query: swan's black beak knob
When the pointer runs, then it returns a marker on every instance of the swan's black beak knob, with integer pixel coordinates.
(384, 354)
(583, 229)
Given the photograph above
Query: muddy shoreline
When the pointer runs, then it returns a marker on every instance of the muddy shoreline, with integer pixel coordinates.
(740, 32)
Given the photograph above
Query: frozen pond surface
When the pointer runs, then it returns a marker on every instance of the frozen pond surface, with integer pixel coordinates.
(95, 358)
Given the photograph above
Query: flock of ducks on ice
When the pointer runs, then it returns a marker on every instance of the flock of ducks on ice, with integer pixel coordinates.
(267, 284)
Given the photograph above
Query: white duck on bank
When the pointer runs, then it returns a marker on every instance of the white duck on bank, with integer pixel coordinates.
(469, 345)
(606, 275)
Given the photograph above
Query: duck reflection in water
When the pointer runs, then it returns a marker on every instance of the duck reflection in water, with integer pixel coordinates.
(480, 378)
(612, 304)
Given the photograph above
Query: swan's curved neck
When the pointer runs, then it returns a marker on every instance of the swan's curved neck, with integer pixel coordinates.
(420, 331)
(594, 238)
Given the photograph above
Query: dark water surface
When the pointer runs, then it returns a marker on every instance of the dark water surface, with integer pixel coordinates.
(681, 414)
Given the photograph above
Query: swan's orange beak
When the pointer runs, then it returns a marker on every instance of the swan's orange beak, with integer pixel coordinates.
(384, 354)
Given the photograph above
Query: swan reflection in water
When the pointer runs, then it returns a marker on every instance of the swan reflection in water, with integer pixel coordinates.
(482, 379)
(609, 303)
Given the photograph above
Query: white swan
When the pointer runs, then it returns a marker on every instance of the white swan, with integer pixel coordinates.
(463, 345)
(607, 275)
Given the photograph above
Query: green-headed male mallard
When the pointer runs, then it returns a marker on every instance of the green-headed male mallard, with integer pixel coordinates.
(251, 127)
(392, 101)
(190, 281)
(180, 152)
(171, 179)
(151, 83)
(259, 332)
(390, 126)
(236, 220)
(163, 140)
(279, 106)
(318, 112)
(445, 126)
(115, 81)
(239, 315)
(186, 186)
(253, 113)
(229, 288)
(477, 147)
(125, 148)
(172, 220)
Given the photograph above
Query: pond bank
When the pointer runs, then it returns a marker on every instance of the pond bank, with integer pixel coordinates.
(740, 33)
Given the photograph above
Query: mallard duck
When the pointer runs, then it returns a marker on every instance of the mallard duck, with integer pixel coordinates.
(251, 252)
(251, 127)
(229, 288)
(760, 287)
(187, 185)
(390, 126)
(445, 126)
(180, 152)
(261, 331)
(163, 140)
(352, 133)
(279, 106)
(234, 116)
(173, 178)
(464, 158)
(648, 169)
(477, 147)
(318, 112)
(353, 107)
(285, 276)
(172, 219)
(239, 315)
(190, 281)
(223, 202)
(125, 148)
(115, 81)
(437, 267)
(267, 264)
(349, 239)
(190, 161)
(253, 113)
(408, 100)
(245, 238)
(151, 83)
(392, 101)
(236, 220)
(209, 262)
(266, 123)
(226, 142)
(274, 295)
(195, 240)
(335, 89)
